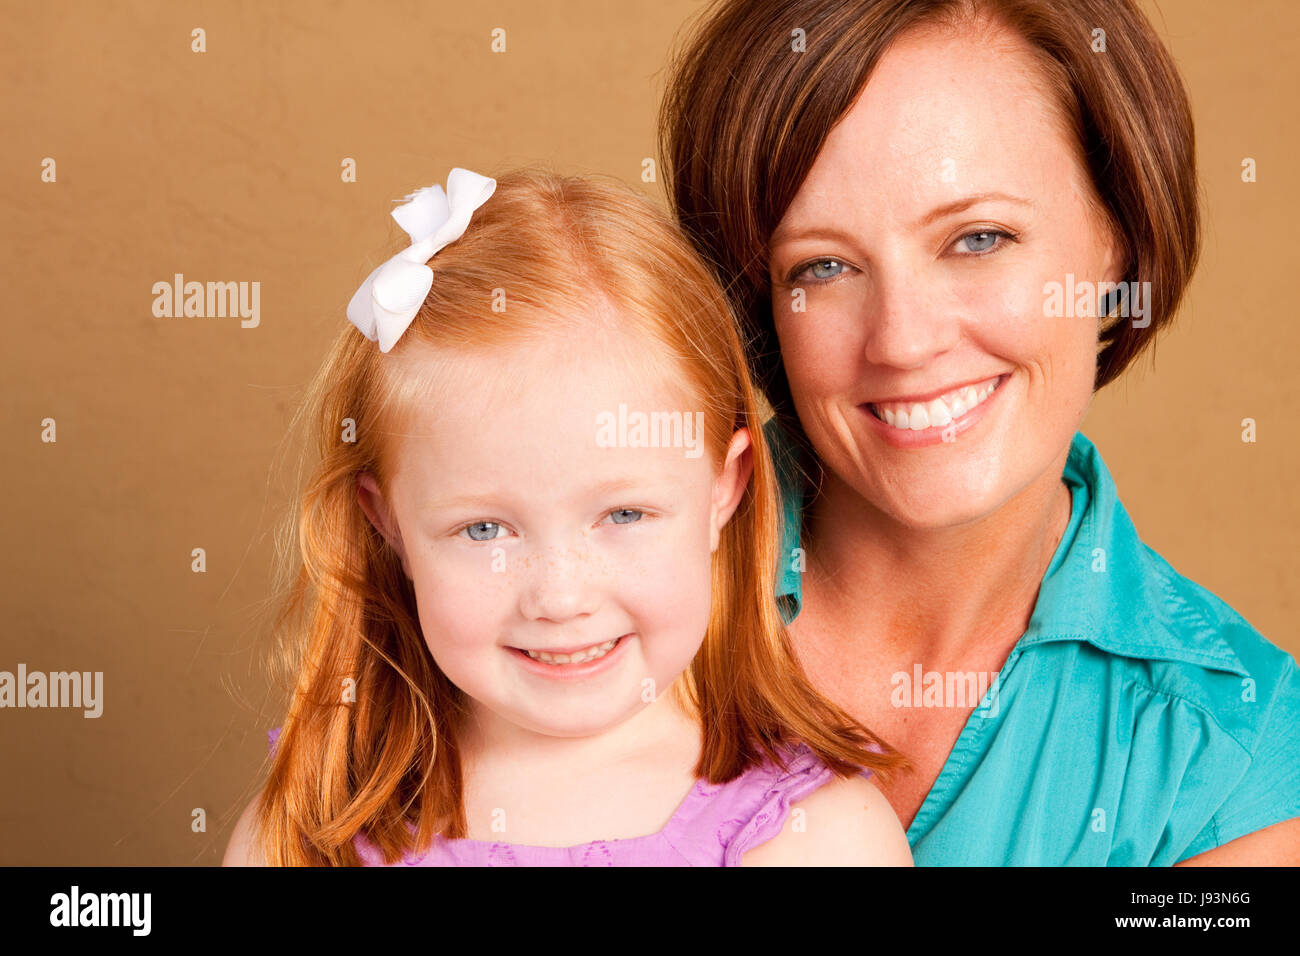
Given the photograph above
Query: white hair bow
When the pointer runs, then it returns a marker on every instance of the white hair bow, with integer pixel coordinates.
(391, 295)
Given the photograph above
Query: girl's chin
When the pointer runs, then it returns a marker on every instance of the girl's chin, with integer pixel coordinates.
(582, 723)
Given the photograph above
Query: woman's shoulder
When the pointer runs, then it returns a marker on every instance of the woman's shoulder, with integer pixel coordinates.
(1127, 599)
(1227, 697)
(1216, 656)
(1242, 707)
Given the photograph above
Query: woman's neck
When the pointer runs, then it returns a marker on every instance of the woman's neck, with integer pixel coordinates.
(936, 595)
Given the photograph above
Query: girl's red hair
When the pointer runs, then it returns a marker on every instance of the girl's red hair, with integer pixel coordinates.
(369, 743)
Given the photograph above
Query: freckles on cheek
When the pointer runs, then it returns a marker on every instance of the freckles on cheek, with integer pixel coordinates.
(670, 580)
(461, 601)
(1010, 311)
(816, 360)
(788, 341)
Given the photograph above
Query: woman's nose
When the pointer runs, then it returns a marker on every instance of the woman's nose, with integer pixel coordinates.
(559, 585)
(908, 321)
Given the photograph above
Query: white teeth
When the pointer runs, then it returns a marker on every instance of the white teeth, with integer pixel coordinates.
(578, 657)
(915, 416)
(939, 414)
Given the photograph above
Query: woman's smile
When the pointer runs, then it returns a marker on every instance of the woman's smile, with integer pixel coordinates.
(917, 422)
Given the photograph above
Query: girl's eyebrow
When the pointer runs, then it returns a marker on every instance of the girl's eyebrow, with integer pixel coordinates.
(608, 486)
(458, 501)
(619, 484)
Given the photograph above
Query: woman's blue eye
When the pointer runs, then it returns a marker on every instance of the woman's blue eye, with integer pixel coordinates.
(625, 515)
(482, 530)
(831, 263)
(979, 242)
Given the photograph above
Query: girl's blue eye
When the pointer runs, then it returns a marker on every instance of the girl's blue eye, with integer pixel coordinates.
(482, 530)
(625, 515)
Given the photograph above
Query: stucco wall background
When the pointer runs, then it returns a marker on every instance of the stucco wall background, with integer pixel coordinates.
(225, 166)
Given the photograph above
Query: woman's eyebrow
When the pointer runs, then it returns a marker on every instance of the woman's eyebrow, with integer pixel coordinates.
(961, 205)
(783, 233)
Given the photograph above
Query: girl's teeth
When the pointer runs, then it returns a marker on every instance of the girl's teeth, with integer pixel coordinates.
(915, 416)
(578, 657)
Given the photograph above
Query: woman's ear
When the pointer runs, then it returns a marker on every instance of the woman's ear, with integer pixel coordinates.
(729, 486)
(380, 514)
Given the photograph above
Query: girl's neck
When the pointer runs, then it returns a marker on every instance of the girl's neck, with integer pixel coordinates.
(487, 739)
(930, 594)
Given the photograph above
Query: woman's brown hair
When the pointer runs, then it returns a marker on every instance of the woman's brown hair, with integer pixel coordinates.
(745, 116)
(383, 760)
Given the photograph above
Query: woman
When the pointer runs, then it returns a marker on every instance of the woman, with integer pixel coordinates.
(925, 210)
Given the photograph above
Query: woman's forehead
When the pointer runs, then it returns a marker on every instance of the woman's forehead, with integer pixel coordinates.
(938, 123)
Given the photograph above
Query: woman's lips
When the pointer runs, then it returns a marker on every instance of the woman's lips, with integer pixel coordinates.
(941, 419)
(936, 410)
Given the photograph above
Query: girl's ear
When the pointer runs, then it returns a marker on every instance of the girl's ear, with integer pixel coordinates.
(729, 486)
(380, 514)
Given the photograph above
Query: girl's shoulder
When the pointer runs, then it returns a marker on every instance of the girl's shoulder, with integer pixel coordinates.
(793, 812)
(243, 849)
(789, 812)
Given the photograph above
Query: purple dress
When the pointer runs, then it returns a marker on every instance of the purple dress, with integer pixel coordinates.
(713, 826)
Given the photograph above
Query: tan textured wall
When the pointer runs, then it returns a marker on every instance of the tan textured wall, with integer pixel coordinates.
(225, 165)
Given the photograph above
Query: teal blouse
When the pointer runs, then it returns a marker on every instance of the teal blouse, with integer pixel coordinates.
(1138, 721)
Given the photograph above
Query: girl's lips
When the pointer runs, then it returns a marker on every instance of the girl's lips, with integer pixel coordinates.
(935, 435)
(580, 671)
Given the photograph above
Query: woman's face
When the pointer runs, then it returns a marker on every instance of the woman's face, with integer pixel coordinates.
(922, 240)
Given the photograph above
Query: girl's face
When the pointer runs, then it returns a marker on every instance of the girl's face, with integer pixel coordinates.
(532, 527)
(923, 238)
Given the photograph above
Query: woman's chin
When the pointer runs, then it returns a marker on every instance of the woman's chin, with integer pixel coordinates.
(933, 501)
(928, 515)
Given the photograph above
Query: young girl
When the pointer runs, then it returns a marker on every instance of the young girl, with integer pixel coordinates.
(535, 620)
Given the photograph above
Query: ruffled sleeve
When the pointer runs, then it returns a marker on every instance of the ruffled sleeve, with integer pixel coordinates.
(777, 790)
(1267, 790)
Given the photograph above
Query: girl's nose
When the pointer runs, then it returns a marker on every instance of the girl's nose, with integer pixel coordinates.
(560, 585)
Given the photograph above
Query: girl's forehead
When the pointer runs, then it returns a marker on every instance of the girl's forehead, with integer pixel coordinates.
(556, 375)
(549, 407)
(550, 436)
